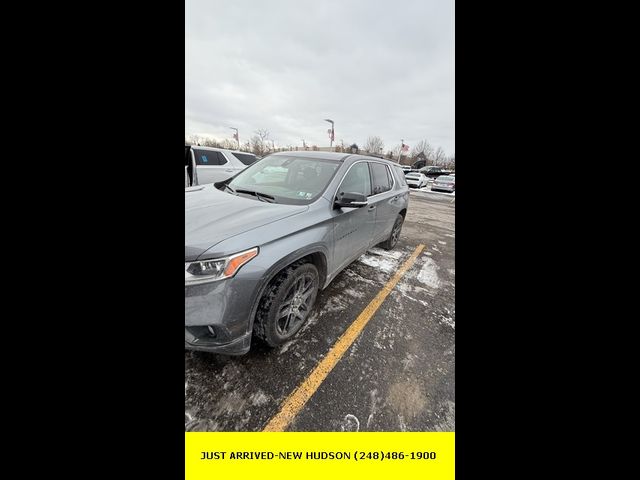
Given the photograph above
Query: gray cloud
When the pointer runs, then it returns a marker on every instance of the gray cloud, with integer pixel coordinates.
(375, 67)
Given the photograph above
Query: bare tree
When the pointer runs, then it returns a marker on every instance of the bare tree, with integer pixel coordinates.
(450, 162)
(229, 144)
(259, 142)
(418, 148)
(425, 148)
(395, 153)
(192, 140)
(257, 146)
(439, 156)
(374, 145)
(263, 133)
(209, 142)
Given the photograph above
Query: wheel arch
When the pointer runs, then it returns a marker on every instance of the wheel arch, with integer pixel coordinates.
(315, 254)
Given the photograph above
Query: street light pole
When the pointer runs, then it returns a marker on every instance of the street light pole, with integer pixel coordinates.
(332, 131)
(237, 137)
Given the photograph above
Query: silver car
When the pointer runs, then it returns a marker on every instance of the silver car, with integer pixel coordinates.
(205, 165)
(259, 246)
(445, 183)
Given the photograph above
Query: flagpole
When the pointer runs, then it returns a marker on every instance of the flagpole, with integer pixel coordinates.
(237, 137)
(332, 132)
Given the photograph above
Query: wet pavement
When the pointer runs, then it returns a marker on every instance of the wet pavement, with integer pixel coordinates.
(399, 374)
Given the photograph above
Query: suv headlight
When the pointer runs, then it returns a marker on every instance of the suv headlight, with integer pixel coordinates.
(205, 271)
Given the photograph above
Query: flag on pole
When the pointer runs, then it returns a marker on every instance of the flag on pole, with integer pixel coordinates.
(405, 148)
(235, 136)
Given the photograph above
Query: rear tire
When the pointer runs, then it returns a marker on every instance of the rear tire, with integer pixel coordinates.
(287, 303)
(395, 234)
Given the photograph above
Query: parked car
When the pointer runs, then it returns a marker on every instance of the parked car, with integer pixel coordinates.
(446, 183)
(260, 246)
(434, 172)
(416, 179)
(205, 165)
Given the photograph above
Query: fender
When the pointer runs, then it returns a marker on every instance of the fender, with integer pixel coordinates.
(280, 265)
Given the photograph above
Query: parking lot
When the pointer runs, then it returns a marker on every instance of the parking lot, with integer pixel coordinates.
(399, 373)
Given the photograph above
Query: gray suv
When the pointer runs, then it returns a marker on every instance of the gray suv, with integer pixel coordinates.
(260, 245)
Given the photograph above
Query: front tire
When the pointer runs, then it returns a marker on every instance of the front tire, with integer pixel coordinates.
(285, 306)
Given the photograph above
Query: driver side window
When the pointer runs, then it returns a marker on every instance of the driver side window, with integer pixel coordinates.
(357, 180)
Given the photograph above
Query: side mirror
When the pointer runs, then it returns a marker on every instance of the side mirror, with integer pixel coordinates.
(350, 200)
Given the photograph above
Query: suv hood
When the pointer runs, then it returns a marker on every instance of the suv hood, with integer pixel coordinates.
(211, 216)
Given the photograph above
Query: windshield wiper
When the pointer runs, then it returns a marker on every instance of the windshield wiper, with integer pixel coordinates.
(229, 188)
(261, 196)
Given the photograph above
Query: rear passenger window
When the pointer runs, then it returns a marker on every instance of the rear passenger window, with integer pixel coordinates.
(400, 176)
(209, 158)
(244, 158)
(380, 177)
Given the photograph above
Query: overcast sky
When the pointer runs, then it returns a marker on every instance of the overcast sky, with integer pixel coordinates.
(375, 67)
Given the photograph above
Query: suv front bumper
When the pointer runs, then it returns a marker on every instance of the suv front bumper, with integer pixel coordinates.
(218, 316)
(239, 346)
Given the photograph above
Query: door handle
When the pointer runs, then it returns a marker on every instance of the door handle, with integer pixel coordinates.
(372, 208)
(229, 170)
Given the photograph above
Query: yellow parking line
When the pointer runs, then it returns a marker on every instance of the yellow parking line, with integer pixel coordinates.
(301, 395)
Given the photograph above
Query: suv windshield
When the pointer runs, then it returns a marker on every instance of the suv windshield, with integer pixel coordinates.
(446, 179)
(290, 180)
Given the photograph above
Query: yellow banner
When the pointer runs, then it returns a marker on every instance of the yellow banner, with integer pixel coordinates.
(321, 455)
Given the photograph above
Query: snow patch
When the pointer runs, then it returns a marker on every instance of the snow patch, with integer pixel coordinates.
(259, 398)
(285, 348)
(448, 321)
(384, 264)
(335, 304)
(353, 293)
(428, 274)
(350, 424)
(428, 190)
(406, 290)
(396, 255)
